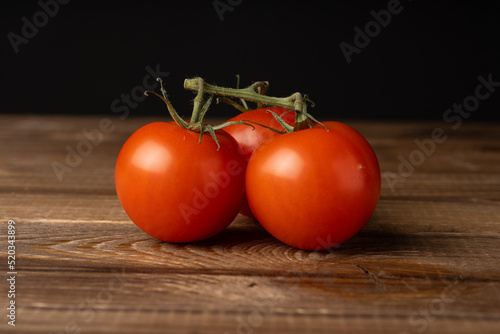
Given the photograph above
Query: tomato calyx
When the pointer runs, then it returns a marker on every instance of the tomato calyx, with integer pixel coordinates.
(200, 108)
(256, 93)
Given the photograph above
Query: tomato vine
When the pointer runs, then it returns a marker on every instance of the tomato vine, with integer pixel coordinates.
(200, 108)
(295, 102)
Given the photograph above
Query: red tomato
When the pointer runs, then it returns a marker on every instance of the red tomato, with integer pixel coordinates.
(249, 138)
(176, 189)
(314, 189)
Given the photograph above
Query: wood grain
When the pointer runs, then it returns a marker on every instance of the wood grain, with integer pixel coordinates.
(427, 262)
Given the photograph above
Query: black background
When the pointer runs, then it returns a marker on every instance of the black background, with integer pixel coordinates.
(90, 53)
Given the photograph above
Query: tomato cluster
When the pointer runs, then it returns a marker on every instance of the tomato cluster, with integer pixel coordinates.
(312, 188)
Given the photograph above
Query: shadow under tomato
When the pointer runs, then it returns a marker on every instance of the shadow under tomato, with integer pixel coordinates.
(245, 233)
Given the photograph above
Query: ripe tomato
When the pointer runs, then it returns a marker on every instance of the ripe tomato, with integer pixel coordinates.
(249, 138)
(175, 188)
(314, 189)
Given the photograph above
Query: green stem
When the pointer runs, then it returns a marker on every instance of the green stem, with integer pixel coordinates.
(232, 103)
(301, 122)
(296, 102)
(262, 90)
(204, 109)
(243, 102)
(293, 102)
(200, 108)
(198, 102)
(170, 107)
(285, 125)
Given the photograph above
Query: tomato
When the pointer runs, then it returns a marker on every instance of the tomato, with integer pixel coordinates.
(314, 189)
(177, 189)
(249, 138)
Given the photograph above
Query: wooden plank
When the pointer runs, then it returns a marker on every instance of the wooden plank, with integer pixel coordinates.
(156, 321)
(243, 264)
(427, 262)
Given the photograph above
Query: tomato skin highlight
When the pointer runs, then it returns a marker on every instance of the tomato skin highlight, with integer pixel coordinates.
(176, 189)
(314, 189)
(250, 138)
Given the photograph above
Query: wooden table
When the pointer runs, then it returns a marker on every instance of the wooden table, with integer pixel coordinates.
(427, 262)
